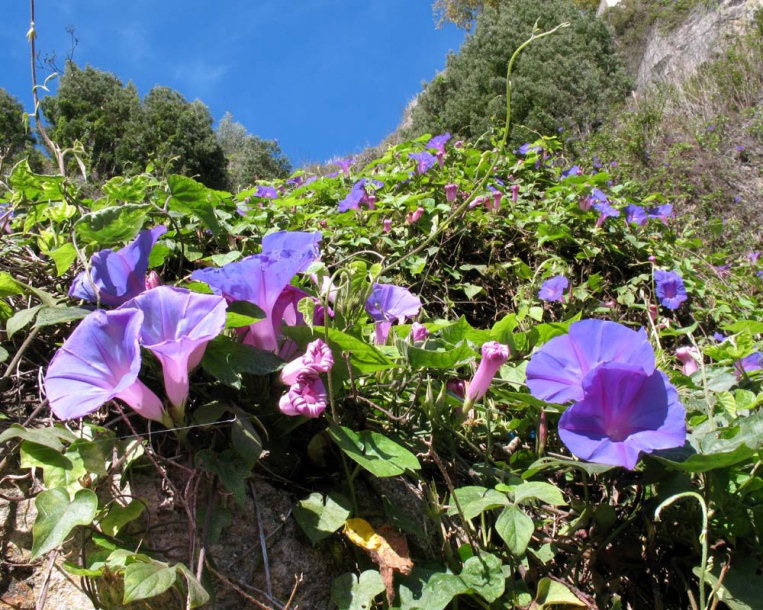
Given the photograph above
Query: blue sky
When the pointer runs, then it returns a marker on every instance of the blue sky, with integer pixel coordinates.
(323, 77)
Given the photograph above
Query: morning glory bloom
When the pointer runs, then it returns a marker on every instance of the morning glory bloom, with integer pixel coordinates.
(753, 256)
(605, 211)
(553, 289)
(514, 193)
(623, 412)
(117, 276)
(451, 191)
(343, 164)
(636, 215)
(306, 397)
(556, 371)
(260, 279)
(413, 217)
(389, 303)
(670, 288)
(177, 325)
(748, 364)
(387, 225)
(599, 196)
(688, 357)
(268, 192)
(424, 161)
(438, 142)
(316, 359)
(527, 148)
(99, 362)
(359, 194)
(573, 171)
(494, 356)
(419, 332)
(661, 212)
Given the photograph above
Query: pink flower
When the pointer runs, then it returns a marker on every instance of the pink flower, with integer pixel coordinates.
(514, 193)
(306, 397)
(419, 332)
(413, 217)
(316, 359)
(496, 204)
(153, 280)
(387, 222)
(688, 357)
(451, 191)
(494, 355)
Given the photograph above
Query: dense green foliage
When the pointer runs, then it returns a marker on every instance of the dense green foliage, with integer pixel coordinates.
(122, 135)
(464, 12)
(15, 139)
(567, 81)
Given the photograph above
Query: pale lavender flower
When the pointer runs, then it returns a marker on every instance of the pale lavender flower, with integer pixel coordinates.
(424, 161)
(99, 362)
(177, 325)
(573, 171)
(528, 148)
(553, 289)
(359, 193)
(495, 206)
(117, 276)
(387, 225)
(438, 142)
(389, 303)
(413, 217)
(661, 212)
(268, 192)
(670, 288)
(753, 256)
(344, 164)
(419, 332)
(494, 355)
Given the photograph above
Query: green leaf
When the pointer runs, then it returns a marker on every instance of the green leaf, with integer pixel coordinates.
(538, 490)
(243, 313)
(147, 579)
(49, 316)
(119, 516)
(439, 591)
(364, 357)
(561, 463)
(63, 257)
(462, 330)
(32, 455)
(245, 440)
(446, 359)
(379, 455)
(20, 319)
(475, 500)
(57, 516)
(552, 593)
(484, 575)
(230, 467)
(191, 197)
(515, 528)
(471, 290)
(196, 593)
(112, 226)
(754, 327)
(3, 354)
(320, 518)
(49, 437)
(349, 592)
(226, 360)
(9, 286)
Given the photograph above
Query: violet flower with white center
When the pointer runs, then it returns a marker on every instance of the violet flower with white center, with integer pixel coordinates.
(118, 276)
(670, 288)
(424, 161)
(99, 362)
(661, 212)
(389, 303)
(573, 171)
(553, 289)
(636, 215)
(605, 211)
(599, 196)
(419, 332)
(438, 143)
(306, 397)
(494, 356)
(268, 192)
(623, 412)
(688, 357)
(359, 194)
(177, 325)
(556, 371)
(748, 364)
(451, 191)
(316, 359)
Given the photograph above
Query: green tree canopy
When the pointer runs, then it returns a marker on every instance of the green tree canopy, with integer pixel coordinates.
(249, 158)
(566, 80)
(15, 140)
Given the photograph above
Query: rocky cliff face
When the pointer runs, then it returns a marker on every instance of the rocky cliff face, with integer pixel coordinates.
(670, 56)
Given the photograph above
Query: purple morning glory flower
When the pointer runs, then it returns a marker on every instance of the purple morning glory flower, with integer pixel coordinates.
(670, 288)
(553, 289)
(623, 412)
(424, 161)
(494, 356)
(718, 337)
(260, 279)
(555, 372)
(359, 194)
(661, 212)
(527, 148)
(177, 325)
(635, 215)
(605, 211)
(99, 362)
(307, 397)
(748, 364)
(344, 164)
(573, 171)
(316, 359)
(438, 142)
(753, 256)
(599, 196)
(389, 303)
(268, 192)
(419, 332)
(118, 276)
(451, 191)
(288, 244)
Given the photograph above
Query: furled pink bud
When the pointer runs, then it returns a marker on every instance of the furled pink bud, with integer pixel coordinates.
(413, 217)
(316, 359)
(419, 332)
(371, 200)
(496, 204)
(153, 280)
(477, 201)
(688, 357)
(387, 222)
(514, 193)
(451, 191)
(585, 203)
(494, 355)
(457, 387)
(306, 397)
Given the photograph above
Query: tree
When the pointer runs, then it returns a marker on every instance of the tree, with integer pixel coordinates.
(249, 158)
(567, 80)
(95, 108)
(16, 141)
(464, 12)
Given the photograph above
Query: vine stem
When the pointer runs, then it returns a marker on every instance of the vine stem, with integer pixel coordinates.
(702, 536)
(498, 153)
